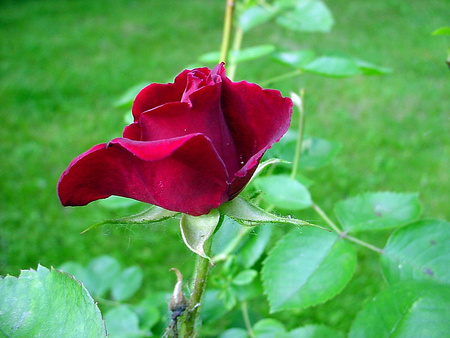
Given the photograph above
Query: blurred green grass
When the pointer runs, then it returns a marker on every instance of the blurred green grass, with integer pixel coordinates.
(64, 63)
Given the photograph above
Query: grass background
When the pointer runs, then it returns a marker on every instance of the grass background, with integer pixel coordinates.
(64, 63)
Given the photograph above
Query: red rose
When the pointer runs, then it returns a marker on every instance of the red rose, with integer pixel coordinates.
(193, 146)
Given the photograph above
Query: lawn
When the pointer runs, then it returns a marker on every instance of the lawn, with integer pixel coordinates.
(63, 65)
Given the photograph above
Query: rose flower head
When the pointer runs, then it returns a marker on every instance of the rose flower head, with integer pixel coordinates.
(194, 145)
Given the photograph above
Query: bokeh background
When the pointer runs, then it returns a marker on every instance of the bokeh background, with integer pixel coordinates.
(65, 63)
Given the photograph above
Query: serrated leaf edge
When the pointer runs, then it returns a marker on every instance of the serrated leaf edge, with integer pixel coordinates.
(290, 308)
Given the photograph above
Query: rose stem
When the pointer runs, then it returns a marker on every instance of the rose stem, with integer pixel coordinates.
(226, 37)
(199, 285)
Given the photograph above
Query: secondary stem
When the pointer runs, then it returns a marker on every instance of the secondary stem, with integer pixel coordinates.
(228, 24)
(247, 322)
(280, 78)
(343, 234)
(327, 219)
(362, 243)
(199, 285)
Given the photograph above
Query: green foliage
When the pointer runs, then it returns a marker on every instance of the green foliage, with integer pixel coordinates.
(316, 152)
(418, 251)
(111, 286)
(297, 271)
(121, 321)
(284, 192)
(47, 303)
(376, 211)
(406, 309)
(442, 31)
(127, 283)
(306, 16)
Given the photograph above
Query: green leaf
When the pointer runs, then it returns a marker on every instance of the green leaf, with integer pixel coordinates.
(245, 277)
(306, 268)
(197, 230)
(307, 16)
(376, 211)
(228, 297)
(150, 215)
(418, 251)
(296, 59)
(406, 309)
(318, 152)
(333, 66)
(101, 273)
(315, 331)
(127, 283)
(442, 31)
(284, 192)
(265, 164)
(256, 16)
(252, 53)
(247, 54)
(248, 291)
(268, 328)
(122, 322)
(254, 247)
(148, 313)
(47, 303)
(234, 333)
(212, 306)
(247, 213)
(371, 69)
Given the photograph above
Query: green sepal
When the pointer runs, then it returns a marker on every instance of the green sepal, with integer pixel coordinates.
(196, 230)
(151, 215)
(246, 213)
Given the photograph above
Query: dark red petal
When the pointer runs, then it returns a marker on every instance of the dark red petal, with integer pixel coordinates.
(132, 131)
(157, 94)
(257, 118)
(204, 116)
(183, 174)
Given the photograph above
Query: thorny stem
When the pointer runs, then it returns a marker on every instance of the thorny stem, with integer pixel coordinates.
(199, 285)
(301, 124)
(343, 234)
(228, 24)
(248, 324)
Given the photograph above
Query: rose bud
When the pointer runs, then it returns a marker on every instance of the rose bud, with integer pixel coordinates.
(194, 145)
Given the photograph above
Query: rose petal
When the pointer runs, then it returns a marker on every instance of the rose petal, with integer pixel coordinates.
(257, 118)
(157, 94)
(183, 174)
(204, 115)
